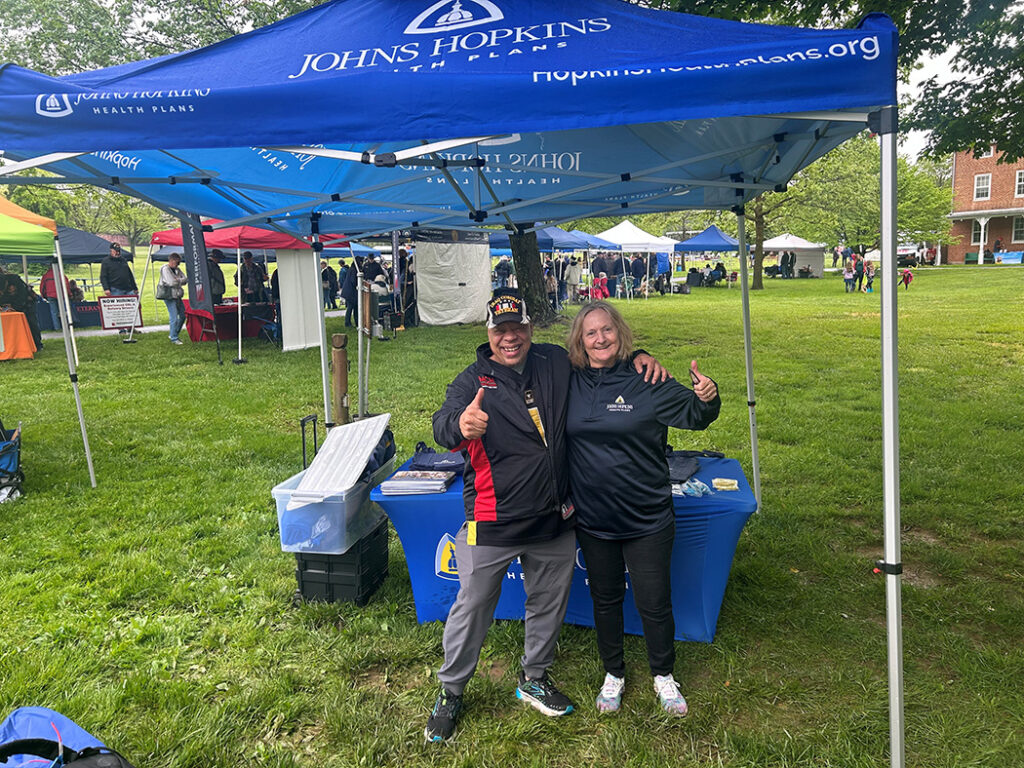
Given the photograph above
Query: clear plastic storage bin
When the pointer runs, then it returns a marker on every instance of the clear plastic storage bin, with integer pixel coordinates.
(331, 526)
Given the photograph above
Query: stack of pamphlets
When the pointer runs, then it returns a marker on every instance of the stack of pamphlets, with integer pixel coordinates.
(416, 481)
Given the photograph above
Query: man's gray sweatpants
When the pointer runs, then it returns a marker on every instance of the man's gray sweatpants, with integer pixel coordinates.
(547, 576)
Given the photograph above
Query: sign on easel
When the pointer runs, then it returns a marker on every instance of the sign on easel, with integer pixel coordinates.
(120, 312)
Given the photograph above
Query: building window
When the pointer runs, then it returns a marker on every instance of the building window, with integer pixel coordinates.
(976, 233)
(1018, 229)
(1020, 184)
(989, 152)
(983, 186)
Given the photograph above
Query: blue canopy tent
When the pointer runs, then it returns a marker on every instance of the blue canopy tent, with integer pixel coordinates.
(548, 239)
(711, 239)
(616, 109)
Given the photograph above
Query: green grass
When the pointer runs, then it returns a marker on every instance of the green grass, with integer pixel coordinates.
(156, 609)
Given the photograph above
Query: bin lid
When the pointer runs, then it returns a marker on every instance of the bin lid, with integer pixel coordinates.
(340, 461)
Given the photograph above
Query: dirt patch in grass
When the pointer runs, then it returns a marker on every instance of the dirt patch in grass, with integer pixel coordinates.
(921, 577)
(921, 534)
(495, 670)
(385, 679)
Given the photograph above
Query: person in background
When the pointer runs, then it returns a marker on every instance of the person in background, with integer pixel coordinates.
(173, 280)
(619, 482)
(503, 271)
(342, 274)
(836, 253)
(75, 293)
(48, 290)
(116, 276)
(218, 286)
(348, 291)
(253, 276)
(848, 278)
(372, 268)
(573, 275)
(906, 278)
(616, 270)
(869, 273)
(16, 294)
(328, 284)
(858, 273)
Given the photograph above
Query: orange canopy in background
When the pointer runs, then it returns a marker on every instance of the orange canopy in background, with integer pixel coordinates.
(7, 208)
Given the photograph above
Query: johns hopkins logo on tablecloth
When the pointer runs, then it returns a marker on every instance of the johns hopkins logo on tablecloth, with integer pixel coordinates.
(444, 559)
(53, 105)
(445, 15)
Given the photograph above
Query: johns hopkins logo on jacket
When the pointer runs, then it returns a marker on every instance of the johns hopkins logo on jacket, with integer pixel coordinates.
(444, 559)
(620, 405)
(445, 15)
(53, 105)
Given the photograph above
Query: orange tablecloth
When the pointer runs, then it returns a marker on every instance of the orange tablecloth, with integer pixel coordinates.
(18, 344)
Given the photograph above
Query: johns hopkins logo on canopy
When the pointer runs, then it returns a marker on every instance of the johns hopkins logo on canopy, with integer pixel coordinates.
(444, 559)
(53, 105)
(446, 15)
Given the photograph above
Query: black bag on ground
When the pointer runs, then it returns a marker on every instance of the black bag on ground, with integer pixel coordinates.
(88, 757)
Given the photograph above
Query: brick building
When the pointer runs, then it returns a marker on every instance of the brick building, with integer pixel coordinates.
(988, 205)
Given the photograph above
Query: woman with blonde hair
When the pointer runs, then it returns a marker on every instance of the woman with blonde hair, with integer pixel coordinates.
(617, 429)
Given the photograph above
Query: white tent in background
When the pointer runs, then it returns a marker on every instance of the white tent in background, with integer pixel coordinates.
(633, 239)
(808, 254)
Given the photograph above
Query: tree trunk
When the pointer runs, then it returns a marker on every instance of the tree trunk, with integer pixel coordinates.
(530, 276)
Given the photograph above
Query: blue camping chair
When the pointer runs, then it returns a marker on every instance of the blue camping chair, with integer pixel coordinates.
(11, 475)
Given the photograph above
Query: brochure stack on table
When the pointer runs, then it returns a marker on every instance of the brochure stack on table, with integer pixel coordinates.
(413, 481)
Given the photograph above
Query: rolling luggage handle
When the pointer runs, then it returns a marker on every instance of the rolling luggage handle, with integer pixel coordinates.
(302, 423)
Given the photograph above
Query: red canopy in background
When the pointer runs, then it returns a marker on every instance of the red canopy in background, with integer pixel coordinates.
(232, 238)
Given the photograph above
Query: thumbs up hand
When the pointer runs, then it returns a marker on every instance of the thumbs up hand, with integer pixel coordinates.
(473, 421)
(703, 387)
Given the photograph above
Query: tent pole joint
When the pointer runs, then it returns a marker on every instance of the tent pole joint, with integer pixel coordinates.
(883, 121)
(890, 569)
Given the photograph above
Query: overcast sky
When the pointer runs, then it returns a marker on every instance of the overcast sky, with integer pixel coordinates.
(912, 145)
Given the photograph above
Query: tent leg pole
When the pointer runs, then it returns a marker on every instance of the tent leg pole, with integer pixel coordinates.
(325, 373)
(890, 439)
(238, 278)
(755, 458)
(73, 375)
(361, 412)
(63, 289)
(145, 272)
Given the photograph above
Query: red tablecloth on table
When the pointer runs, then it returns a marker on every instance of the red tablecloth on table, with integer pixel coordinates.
(18, 344)
(199, 323)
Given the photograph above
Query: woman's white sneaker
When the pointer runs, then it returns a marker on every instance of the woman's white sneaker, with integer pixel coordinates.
(672, 700)
(610, 697)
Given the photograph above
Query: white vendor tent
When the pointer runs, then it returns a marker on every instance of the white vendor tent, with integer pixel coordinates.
(632, 239)
(807, 253)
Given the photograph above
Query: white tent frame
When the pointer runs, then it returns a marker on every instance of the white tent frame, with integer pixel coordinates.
(882, 122)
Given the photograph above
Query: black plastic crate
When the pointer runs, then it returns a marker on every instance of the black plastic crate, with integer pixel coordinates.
(349, 577)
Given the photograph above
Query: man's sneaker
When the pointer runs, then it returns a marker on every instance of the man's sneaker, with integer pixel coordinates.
(541, 694)
(177, 341)
(610, 697)
(444, 716)
(672, 700)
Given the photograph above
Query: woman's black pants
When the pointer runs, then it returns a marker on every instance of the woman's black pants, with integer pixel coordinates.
(648, 559)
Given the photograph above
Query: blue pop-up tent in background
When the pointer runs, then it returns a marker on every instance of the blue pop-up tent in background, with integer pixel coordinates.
(498, 112)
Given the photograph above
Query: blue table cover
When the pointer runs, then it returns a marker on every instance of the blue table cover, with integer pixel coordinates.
(707, 529)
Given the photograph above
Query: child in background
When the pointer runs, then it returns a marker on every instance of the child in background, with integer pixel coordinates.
(848, 275)
(869, 273)
(907, 277)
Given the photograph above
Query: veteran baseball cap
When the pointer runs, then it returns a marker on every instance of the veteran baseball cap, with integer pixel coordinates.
(506, 306)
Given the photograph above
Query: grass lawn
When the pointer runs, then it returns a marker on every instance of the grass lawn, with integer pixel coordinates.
(156, 610)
